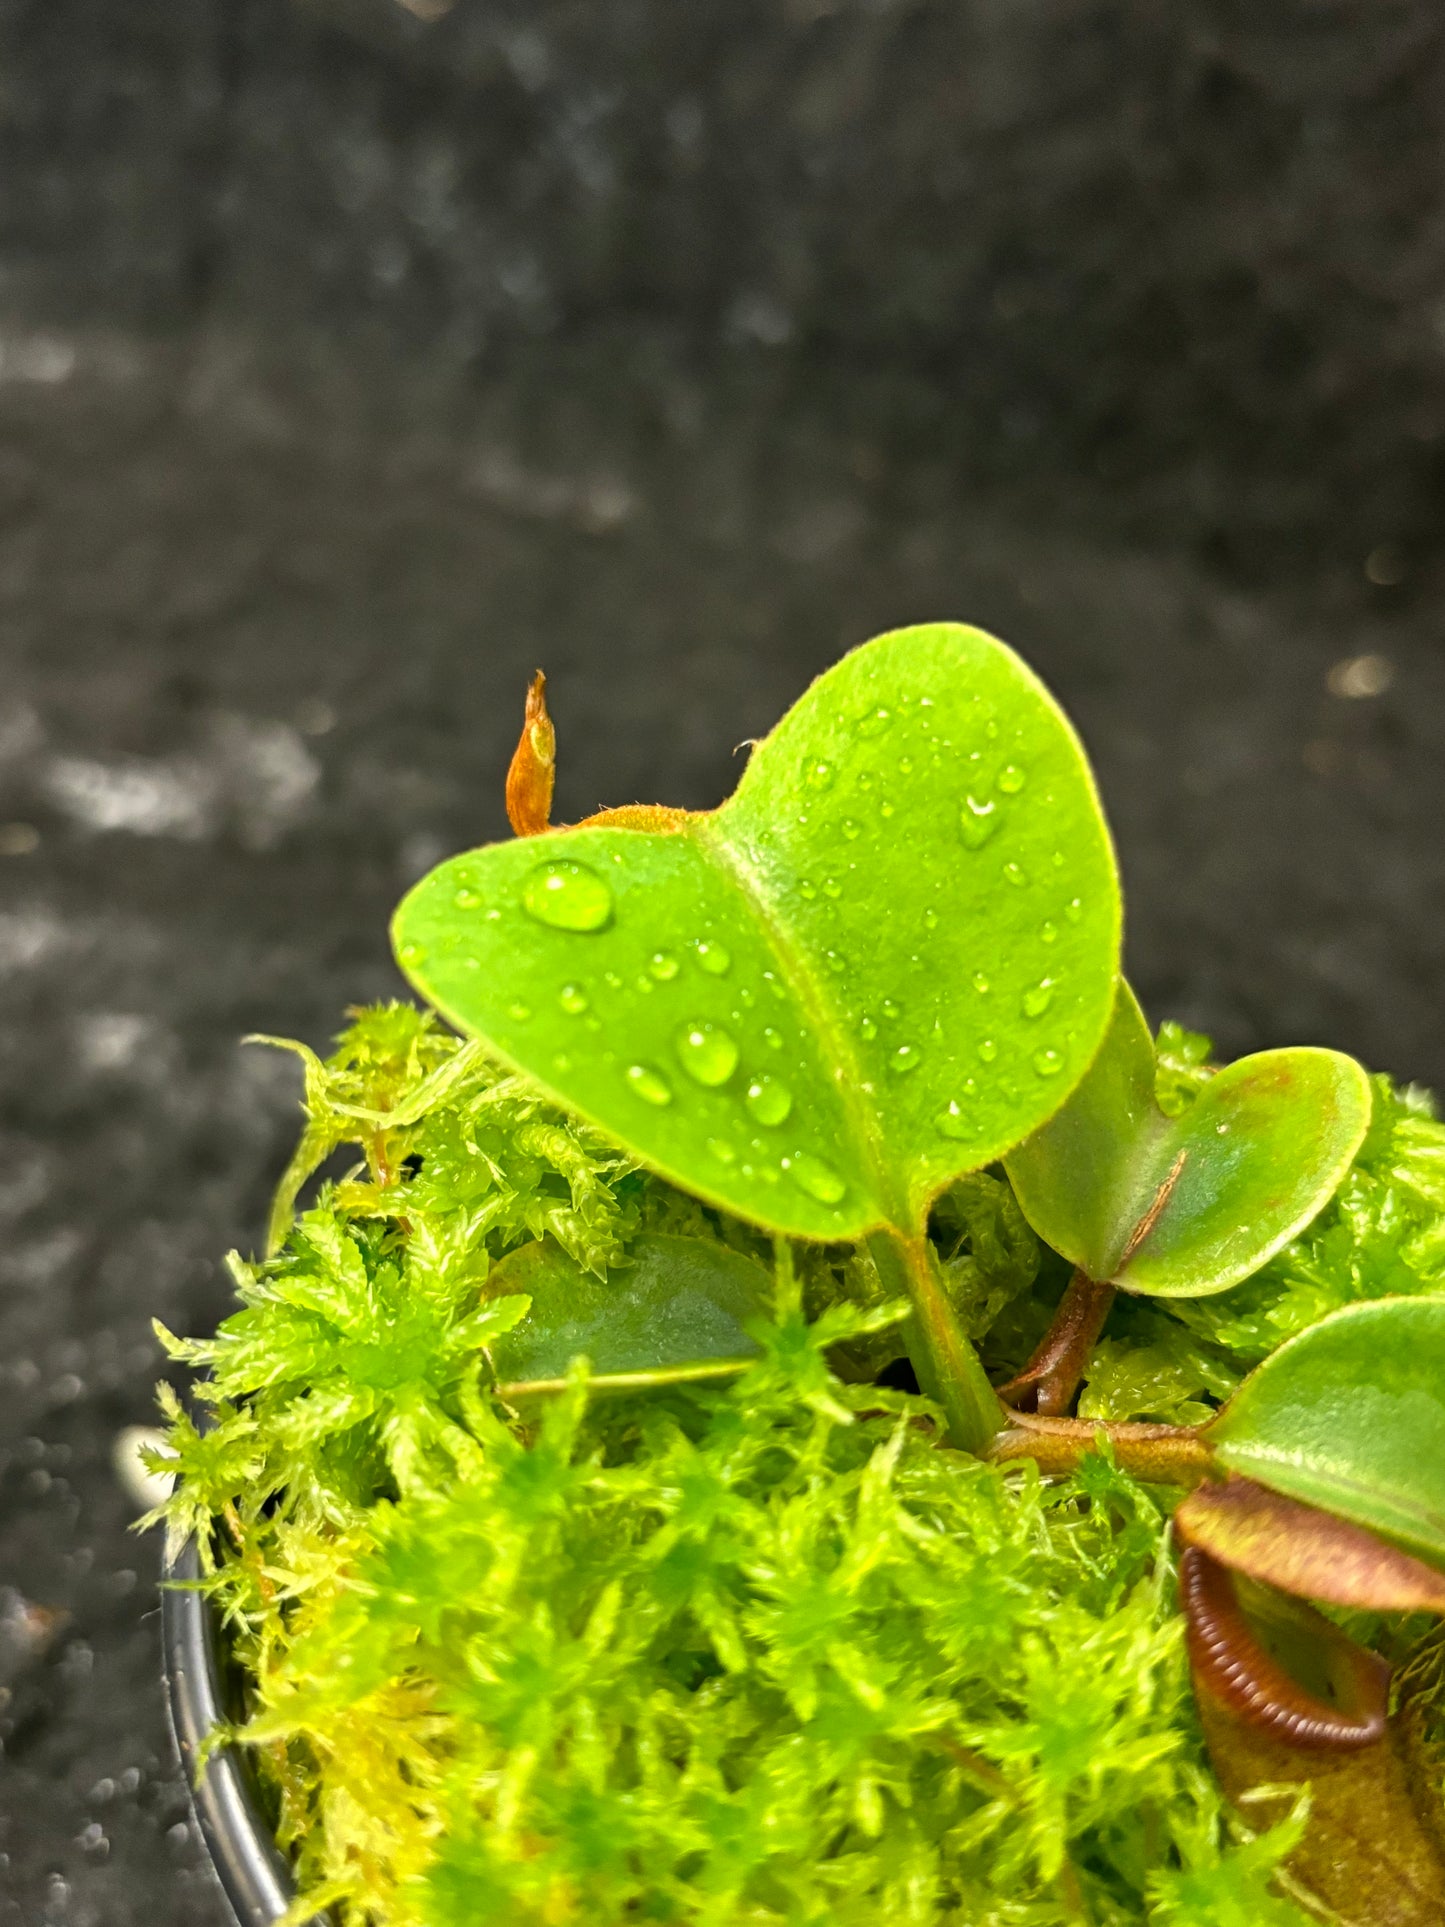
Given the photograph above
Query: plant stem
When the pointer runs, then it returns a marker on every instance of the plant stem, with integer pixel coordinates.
(949, 1369)
(1158, 1454)
(1048, 1382)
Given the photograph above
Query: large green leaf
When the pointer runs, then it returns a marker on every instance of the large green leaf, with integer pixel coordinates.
(883, 961)
(678, 1303)
(1182, 1206)
(1350, 1416)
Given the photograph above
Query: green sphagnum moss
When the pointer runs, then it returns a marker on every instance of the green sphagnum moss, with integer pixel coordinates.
(737, 1633)
(759, 1653)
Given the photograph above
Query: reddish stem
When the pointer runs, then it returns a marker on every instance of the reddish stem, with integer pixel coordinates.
(1050, 1380)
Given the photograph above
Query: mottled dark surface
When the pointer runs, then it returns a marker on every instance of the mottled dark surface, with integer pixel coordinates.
(349, 369)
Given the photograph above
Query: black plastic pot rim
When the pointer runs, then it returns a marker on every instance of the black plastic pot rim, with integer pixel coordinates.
(253, 1875)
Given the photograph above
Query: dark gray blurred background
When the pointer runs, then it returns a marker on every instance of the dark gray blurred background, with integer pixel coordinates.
(354, 364)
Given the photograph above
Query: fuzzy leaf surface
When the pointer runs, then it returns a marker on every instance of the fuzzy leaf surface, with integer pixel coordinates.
(1367, 1851)
(886, 959)
(1185, 1205)
(678, 1302)
(1350, 1416)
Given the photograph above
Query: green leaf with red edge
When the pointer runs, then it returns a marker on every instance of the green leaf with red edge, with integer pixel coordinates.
(1350, 1416)
(881, 963)
(1183, 1206)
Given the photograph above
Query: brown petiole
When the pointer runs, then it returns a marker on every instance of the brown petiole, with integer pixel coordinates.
(1050, 1381)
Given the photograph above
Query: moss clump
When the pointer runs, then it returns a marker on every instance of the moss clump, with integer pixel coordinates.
(749, 1655)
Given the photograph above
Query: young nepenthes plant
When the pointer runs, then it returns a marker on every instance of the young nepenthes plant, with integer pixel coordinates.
(892, 958)
(577, 1543)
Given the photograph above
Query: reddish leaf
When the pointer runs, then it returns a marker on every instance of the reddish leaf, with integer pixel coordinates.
(1304, 1551)
(534, 766)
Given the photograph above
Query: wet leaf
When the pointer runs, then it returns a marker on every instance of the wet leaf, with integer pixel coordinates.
(1303, 1550)
(678, 1303)
(1180, 1206)
(1350, 1416)
(885, 960)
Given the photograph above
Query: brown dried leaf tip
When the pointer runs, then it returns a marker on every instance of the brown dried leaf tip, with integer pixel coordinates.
(534, 766)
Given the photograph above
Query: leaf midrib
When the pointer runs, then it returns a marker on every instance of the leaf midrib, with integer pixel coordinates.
(863, 1117)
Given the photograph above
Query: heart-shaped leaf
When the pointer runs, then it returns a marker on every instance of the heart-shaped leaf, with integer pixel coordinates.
(881, 963)
(1182, 1206)
(678, 1308)
(1350, 1416)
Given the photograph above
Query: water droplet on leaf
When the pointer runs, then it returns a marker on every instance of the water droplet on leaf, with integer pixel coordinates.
(988, 1050)
(715, 958)
(412, 953)
(663, 965)
(519, 1013)
(1048, 1063)
(573, 999)
(832, 887)
(722, 1150)
(807, 889)
(891, 1009)
(815, 1176)
(1048, 932)
(977, 822)
(1011, 779)
(1074, 909)
(772, 1038)
(820, 775)
(467, 900)
(1037, 1000)
(980, 983)
(849, 828)
(707, 1052)
(867, 1029)
(650, 1085)
(1015, 874)
(875, 722)
(906, 1058)
(769, 1100)
(952, 1122)
(930, 919)
(567, 896)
